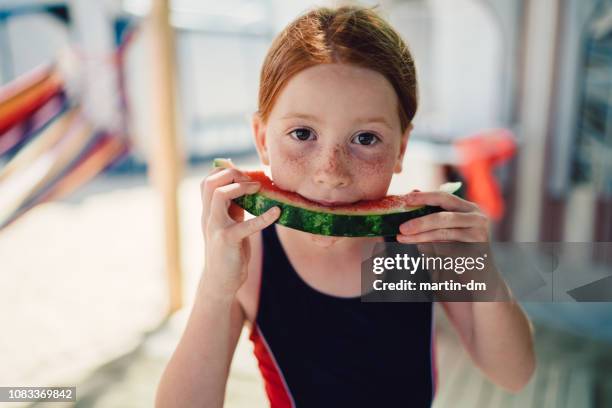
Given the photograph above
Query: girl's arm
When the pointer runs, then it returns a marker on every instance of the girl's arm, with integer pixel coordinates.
(196, 375)
(197, 372)
(497, 335)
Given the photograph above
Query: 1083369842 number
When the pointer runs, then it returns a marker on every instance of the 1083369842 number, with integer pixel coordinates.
(37, 394)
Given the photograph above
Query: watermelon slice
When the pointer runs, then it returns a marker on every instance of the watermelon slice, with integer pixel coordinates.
(362, 219)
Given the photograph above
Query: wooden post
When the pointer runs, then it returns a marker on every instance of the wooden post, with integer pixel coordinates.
(167, 158)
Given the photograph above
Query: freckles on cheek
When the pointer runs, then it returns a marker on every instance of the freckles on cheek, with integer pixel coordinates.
(375, 164)
(375, 175)
(292, 159)
(289, 167)
(378, 167)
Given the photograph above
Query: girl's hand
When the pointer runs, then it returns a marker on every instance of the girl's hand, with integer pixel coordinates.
(227, 249)
(462, 220)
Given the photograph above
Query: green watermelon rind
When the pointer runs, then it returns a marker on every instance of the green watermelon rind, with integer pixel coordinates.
(322, 223)
(330, 224)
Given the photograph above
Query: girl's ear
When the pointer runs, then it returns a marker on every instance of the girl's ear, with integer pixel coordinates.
(403, 144)
(259, 132)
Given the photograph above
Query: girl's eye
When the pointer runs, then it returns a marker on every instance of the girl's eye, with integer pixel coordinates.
(366, 139)
(301, 134)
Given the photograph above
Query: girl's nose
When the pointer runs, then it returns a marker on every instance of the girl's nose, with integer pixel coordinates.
(330, 171)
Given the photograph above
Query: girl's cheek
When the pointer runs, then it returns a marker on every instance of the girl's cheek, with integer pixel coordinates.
(375, 162)
(293, 156)
(376, 170)
(290, 165)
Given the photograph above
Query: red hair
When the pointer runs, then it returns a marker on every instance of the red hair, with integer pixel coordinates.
(349, 35)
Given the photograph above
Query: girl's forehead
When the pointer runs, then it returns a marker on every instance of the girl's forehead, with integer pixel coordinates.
(339, 88)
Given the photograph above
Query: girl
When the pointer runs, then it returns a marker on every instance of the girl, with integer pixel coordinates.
(338, 94)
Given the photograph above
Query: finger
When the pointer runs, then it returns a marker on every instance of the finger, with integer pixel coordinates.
(215, 170)
(444, 219)
(223, 196)
(442, 199)
(215, 180)
(220, 177)
(441, 235)
(239, 231)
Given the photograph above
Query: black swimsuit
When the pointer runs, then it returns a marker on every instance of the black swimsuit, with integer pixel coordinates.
(318, 350)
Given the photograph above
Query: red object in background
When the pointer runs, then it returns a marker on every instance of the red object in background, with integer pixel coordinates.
(27, 94)
(479, 155)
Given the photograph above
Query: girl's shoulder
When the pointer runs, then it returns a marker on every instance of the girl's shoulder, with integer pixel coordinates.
(248, 294)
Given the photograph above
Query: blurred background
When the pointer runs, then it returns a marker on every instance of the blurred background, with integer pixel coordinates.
(111, 110)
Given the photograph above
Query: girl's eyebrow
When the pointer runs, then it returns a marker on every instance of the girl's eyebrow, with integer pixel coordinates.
(300, 116)
(377, 119)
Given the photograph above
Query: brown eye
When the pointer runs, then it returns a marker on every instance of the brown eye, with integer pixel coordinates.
(301, 134)
(366, 139)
